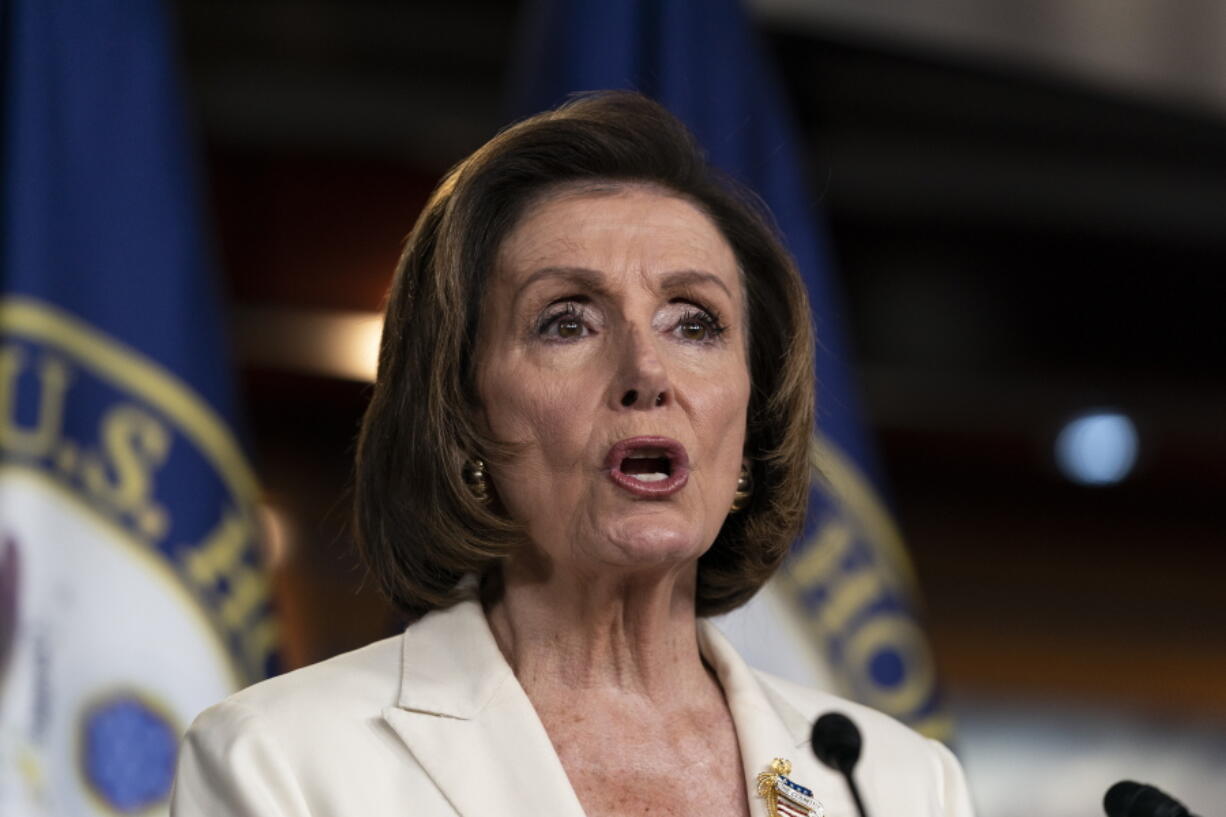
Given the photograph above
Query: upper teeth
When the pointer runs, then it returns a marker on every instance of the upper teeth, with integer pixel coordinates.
(654, 477)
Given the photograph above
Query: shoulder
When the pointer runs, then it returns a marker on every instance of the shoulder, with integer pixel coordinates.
(365, 680)
(813, 703)
(267, 749)
(333, 702)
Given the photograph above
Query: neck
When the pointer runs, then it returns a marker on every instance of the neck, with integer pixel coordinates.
(630, 634)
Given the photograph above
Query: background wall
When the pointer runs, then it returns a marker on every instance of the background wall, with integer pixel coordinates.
(1026, 203)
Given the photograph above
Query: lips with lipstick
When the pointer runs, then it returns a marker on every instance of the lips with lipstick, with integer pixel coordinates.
(649, 467)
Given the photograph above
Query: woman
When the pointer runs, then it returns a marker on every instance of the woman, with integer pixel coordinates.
(589, 431)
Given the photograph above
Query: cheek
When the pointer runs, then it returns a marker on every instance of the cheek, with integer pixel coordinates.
(724, 405)
(545, 415)
(720, 411)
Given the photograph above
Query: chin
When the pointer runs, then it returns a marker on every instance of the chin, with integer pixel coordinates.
(651, 541)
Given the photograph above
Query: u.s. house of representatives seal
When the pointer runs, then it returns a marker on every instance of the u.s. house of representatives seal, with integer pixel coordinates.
(130, 596)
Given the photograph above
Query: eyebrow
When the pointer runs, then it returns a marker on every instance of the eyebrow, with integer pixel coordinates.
(588, 278)
(594, 279)
(687, 278)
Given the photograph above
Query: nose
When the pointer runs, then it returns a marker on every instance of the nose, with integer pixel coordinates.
(641, 381)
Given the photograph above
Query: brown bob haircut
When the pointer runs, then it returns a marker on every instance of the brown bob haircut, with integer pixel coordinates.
(419, 527)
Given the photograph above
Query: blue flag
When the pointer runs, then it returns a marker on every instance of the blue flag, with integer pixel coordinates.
(129, 588)
(848, 576)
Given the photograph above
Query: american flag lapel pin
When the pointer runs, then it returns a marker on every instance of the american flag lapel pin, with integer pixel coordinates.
(785, 797)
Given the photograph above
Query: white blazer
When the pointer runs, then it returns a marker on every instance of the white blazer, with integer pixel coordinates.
(434, 722)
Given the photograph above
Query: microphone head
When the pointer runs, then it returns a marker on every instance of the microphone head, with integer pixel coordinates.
(1129, 799)
(836, 742)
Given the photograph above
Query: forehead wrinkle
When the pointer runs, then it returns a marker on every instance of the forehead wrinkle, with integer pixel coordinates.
(540, 249)
(588, 279)
(529, 252)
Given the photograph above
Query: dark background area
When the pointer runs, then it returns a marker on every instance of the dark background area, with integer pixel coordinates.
(1015, 246)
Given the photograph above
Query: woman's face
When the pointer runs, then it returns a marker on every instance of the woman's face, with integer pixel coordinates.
(612, 350)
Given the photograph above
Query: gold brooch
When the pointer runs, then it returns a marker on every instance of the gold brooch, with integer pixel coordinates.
(784, 797)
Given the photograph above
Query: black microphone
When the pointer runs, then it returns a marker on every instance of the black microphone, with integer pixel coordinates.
(1128, 799)
(836, 742)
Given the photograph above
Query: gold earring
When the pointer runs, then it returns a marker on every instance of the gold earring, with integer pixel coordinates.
(744, 488)
(474, 478)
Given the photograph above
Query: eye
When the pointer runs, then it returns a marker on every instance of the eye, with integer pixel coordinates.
(693, 330)
(699, 326)
(564, 322)
(568, 328)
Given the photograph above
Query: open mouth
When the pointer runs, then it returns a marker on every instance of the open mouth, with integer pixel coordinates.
(649, 466)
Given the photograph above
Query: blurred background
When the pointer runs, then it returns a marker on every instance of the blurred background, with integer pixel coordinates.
(1026, 204)
(1027, 208)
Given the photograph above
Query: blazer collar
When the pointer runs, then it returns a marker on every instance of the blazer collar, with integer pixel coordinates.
(471, 726)
(469, 723)
(768, 726)
(450, 664)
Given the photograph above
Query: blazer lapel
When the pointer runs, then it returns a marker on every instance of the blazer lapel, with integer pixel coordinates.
(470, 725)
(767, 727)
(466, 719)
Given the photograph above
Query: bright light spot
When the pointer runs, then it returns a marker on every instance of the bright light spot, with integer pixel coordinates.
(328, 343)
(362, 352)
(1098, 448)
